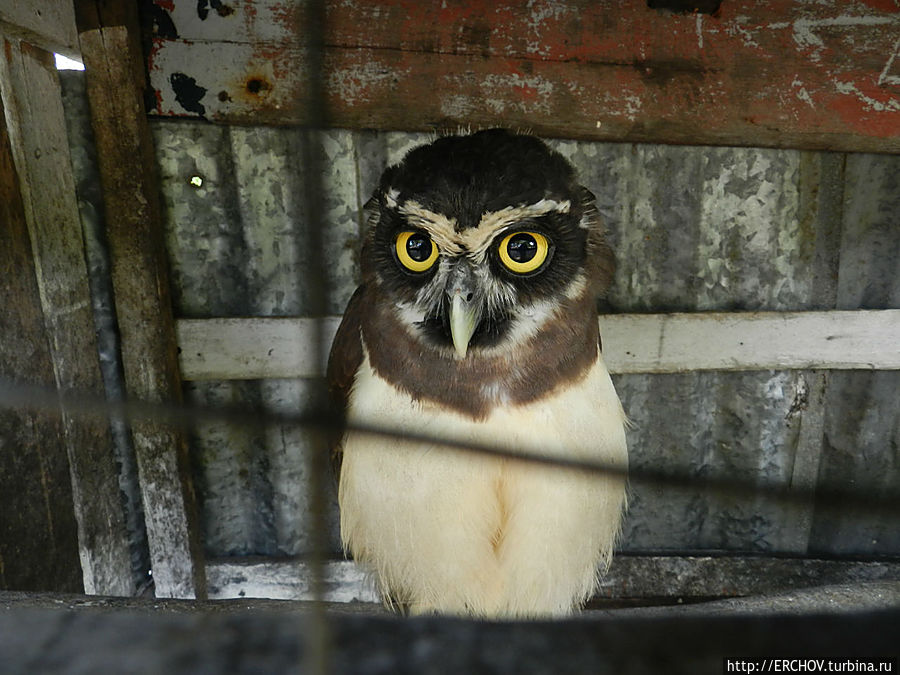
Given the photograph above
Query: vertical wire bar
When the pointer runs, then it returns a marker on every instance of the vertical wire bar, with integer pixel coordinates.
(317, 639)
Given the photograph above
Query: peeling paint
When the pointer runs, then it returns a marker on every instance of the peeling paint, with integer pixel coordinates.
(358, 82)
(736, 28)
(885, 76)
(885, 105)
(559, 67)
(802, 94)
(457, 106)
(534, 92)
(188, 93)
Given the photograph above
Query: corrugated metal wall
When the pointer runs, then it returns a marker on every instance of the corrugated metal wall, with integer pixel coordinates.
(694, 229)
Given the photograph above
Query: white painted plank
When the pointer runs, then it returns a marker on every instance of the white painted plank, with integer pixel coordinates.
(868, 340)
(248, 349)
(236, 349)
(629, 576)
(288, 580)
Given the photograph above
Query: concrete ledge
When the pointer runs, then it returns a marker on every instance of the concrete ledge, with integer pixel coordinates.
(77, 634)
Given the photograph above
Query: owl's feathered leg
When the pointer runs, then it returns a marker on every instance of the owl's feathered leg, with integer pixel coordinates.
(423, 520)
(551, 557)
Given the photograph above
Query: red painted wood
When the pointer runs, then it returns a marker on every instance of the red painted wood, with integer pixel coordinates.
(822, 74)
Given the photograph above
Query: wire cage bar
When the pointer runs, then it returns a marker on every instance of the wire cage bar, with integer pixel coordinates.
(129, 430)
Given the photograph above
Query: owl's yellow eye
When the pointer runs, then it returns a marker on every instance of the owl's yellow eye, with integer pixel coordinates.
(523, 252)
(416, 251)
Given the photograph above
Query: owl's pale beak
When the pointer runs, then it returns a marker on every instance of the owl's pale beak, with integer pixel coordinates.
(463, 312)
(462, 323)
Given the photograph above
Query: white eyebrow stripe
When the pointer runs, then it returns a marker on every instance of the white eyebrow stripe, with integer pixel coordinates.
(441, 228)
(475, 241)
(478, 239)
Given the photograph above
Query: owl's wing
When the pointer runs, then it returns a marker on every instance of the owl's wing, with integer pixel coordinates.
(343, 362)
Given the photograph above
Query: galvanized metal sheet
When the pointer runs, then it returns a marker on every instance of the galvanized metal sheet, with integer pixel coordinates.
(862, 441)
(694, 229)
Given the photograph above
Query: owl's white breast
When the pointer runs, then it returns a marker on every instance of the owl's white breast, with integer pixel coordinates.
(454, 531)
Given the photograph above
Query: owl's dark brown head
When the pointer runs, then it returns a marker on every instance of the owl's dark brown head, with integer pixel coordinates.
(480, 241)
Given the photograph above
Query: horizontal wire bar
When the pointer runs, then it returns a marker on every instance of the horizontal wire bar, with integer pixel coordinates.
(189, 415)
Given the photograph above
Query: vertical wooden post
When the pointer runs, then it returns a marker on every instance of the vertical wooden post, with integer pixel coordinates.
(38, 544)
(38, 143)
(114, 69)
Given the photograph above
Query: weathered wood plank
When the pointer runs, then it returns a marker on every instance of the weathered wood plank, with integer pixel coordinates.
(31, 88)
(110, 48)
(823, 76)
(38, 539)
(247, 349)
(731, 576)
(629, 577)
(234, 349)
(49, 24)
(344, 581)
(867, 340)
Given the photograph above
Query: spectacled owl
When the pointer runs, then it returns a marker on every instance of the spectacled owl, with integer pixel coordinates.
(476, 321)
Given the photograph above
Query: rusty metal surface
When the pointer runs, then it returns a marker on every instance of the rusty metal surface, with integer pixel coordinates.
(811, 74)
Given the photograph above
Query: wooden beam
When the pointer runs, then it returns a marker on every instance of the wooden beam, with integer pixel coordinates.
(114, 73)
(671, 343)
(344, 581)
(49, 24)
(687, 577)
(39, 143)
(629, 577)
(249, 349)
(38, 540)
(781, 73)
(237, 349)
